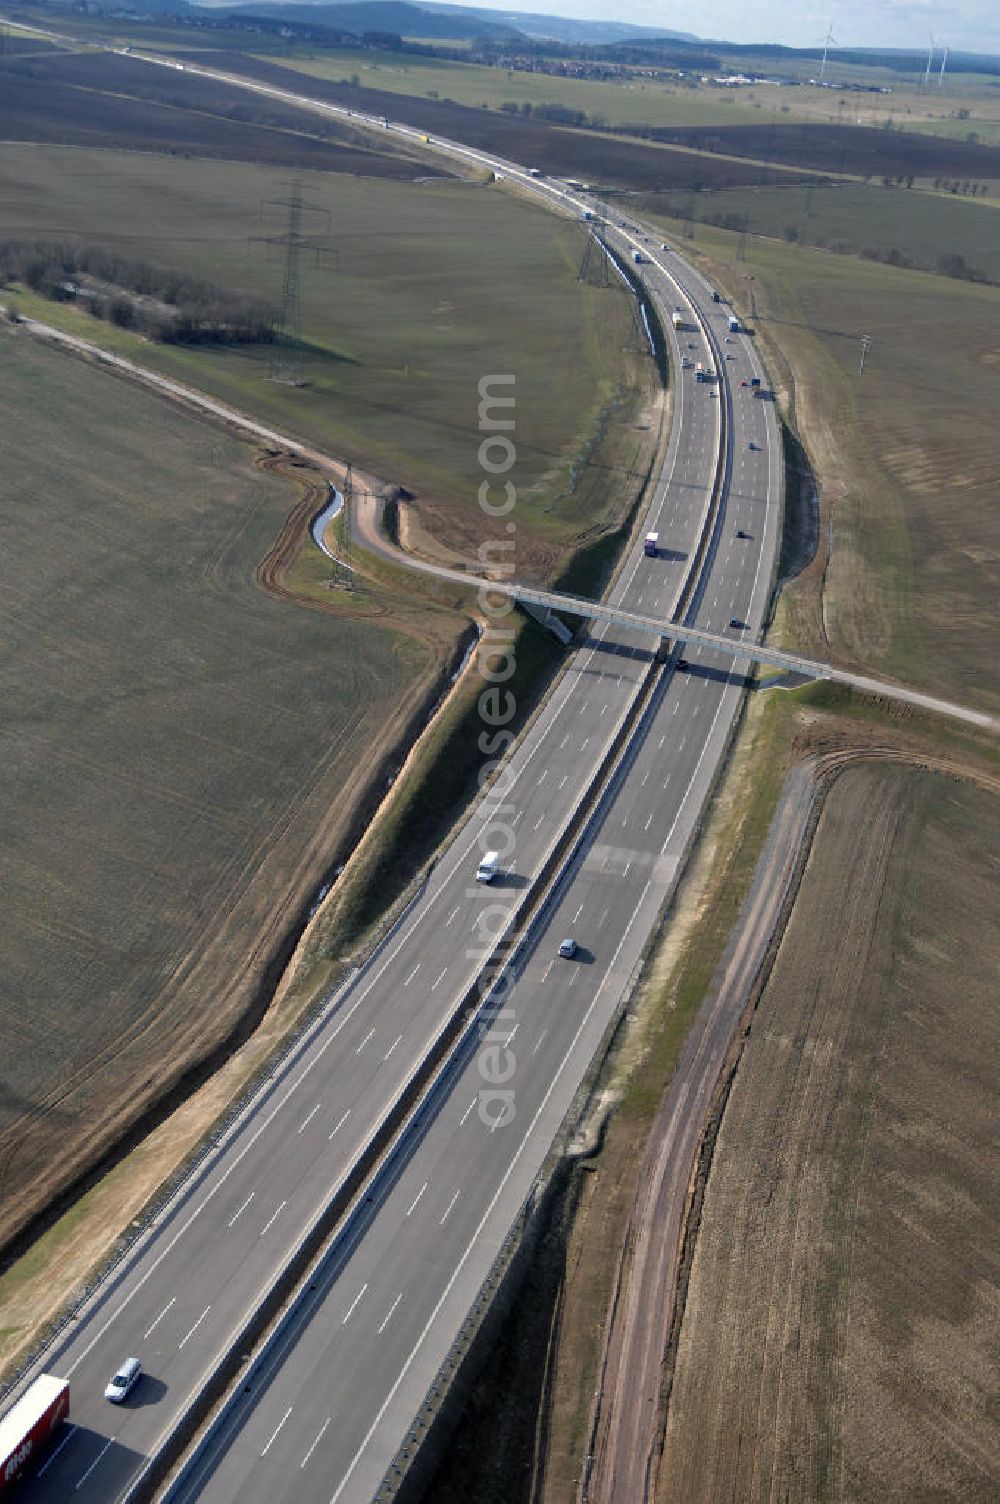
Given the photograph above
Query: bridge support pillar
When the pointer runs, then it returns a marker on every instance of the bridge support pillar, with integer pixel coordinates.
(549, 620)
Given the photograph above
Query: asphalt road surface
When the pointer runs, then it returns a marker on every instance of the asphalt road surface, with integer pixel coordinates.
(329, 1415)
(327, 1412)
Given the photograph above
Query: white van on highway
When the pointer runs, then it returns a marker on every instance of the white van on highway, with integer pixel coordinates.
(488, 867)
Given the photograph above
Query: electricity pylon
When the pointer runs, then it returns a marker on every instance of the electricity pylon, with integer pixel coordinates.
(346, 553)
(286, 354)
(595, 246)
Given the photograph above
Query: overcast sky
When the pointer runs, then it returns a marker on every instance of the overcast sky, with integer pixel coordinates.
(969, 25)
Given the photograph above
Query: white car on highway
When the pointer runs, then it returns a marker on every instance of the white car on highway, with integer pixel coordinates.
(124, 1380)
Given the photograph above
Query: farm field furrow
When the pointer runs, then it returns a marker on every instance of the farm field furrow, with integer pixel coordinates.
(181, 752)
(841, 1323)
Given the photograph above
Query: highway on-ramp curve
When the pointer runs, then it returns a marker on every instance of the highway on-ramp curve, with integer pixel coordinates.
(182, 1297)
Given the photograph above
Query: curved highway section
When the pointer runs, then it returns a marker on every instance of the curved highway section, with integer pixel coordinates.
(333, 1401)
(325, 1412)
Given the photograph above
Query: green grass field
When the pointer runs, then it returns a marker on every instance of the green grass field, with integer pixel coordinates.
(981, 128)
(179, 750)
(637, 101)
(906, 455)
(856, 218)
(628, 103)
(430, 287)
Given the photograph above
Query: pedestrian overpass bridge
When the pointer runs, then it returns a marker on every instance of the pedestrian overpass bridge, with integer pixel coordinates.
(740, 647)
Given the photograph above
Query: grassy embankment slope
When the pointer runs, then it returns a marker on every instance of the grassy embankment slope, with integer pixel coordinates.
(840, 1329)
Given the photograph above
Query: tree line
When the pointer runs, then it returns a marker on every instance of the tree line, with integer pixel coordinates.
(558, 114)
(962, 186)
(164, 305)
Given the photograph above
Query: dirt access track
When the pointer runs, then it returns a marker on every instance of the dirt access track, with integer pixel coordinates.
(647, 1306)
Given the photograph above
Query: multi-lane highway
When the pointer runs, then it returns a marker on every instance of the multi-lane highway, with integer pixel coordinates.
(328, 1408)
(332, 1404)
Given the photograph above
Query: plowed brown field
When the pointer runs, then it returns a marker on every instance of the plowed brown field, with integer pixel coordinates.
(841, 1325)
(96, 100)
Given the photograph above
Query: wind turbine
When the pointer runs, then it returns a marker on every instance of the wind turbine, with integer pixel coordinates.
(944, 64)
(826, 47)
(930, 59)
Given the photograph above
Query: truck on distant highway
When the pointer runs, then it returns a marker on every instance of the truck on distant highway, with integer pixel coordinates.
(677, 319)
(650, 544)
(734, 324)
(28, 1426)
(637, 257)
(716, 298)
(699, 371)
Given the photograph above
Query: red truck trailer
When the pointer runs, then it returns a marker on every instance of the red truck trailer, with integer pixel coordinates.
(26, 1429)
